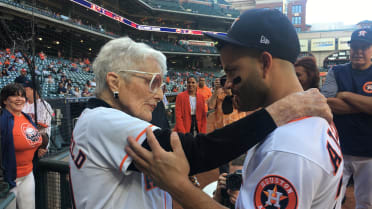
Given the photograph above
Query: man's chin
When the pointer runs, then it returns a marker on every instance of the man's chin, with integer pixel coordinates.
(243, 107)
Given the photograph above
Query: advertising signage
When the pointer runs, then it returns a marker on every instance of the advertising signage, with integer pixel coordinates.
(323, 44)
(112, 15)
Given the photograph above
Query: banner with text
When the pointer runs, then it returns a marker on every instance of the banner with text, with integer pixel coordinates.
(323, 44)
(304, 45)
(342, 43)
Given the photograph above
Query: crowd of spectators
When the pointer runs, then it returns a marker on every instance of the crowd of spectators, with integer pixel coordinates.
(76, 20)
(176, 81)
(57, 74)
(51, 71)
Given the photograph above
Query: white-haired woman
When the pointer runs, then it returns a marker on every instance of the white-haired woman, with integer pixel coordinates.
(129, 79)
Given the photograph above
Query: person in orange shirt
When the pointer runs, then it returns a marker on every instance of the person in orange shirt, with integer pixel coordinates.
(204, 91)
(167, 80)
(42, 56)
(218, 119)
(20, 139)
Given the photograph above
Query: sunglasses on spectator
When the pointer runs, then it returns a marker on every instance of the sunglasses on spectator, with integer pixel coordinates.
(156, 81)
(359, 45)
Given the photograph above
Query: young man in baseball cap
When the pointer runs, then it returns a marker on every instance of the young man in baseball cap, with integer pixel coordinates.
(22, 77)
(44, 113)
(298, 165)
(348, 88)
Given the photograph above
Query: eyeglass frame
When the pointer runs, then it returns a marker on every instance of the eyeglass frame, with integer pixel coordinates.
(152, 79)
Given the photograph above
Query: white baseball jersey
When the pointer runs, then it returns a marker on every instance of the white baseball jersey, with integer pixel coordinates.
(298, 166)
(44, 114)
(98, 163)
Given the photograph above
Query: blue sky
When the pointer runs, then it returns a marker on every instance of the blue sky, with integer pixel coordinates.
(346, 11)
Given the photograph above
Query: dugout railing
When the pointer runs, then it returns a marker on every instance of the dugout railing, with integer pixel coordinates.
(52, 183)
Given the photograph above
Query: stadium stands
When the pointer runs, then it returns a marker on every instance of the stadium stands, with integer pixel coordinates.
(58, 16)
(169, 5)
(196, 7)
(56, 67)
(79, 74)
(157, 44)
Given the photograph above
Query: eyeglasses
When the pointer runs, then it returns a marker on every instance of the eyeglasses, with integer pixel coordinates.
(156, 81)
(359, 45)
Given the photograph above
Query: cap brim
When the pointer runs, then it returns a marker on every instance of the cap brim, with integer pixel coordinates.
(360, 40)
(222, 39)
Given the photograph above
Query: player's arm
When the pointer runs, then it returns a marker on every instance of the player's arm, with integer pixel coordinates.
(205, 152)
(340, 107)
(329, 90)
(359, 102)
(170, 172)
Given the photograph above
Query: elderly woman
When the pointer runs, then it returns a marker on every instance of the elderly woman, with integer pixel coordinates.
(19, 139)
(129, 79)
(307, 72)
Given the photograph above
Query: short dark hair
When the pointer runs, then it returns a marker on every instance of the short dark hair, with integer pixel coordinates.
(312, 71)
(13, 89)
(191, 76)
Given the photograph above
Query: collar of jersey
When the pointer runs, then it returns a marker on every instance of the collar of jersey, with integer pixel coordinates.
(94, 102)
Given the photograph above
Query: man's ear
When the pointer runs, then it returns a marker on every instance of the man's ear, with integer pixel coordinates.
(266, 61)
(113, 81)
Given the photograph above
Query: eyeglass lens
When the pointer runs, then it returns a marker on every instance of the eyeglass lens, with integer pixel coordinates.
(156, 83)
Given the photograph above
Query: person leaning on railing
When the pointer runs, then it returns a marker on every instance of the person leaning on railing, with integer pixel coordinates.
(20, 140)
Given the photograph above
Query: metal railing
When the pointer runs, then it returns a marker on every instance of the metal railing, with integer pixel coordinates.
(52, 184)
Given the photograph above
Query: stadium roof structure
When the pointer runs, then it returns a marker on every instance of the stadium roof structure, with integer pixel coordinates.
(242, 4)
(147, 4)
(118, 17)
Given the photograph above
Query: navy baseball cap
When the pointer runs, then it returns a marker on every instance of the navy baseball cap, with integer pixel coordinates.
(364, 35)
(28, 83)
(264, 29)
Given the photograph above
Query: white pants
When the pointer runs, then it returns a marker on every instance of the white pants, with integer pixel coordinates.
(361, 169)
(25, 192)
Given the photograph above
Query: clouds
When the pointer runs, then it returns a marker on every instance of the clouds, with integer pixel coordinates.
(346, 11)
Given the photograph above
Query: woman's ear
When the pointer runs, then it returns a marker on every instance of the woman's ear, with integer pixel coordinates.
(266, 61)
(113, 81)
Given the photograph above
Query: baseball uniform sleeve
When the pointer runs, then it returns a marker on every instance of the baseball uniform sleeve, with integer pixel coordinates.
(103, 136)
(282, 180)
(205, 152)
(45, 114)
(329, 88)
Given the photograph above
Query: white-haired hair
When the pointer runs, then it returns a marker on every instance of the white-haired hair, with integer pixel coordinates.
(126, 54)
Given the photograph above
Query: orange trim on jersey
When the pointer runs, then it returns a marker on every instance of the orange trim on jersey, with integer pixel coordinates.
(297, 119)
(138, 137)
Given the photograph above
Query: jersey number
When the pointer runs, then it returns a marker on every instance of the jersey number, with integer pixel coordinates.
(335, 158)
(80, 158)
